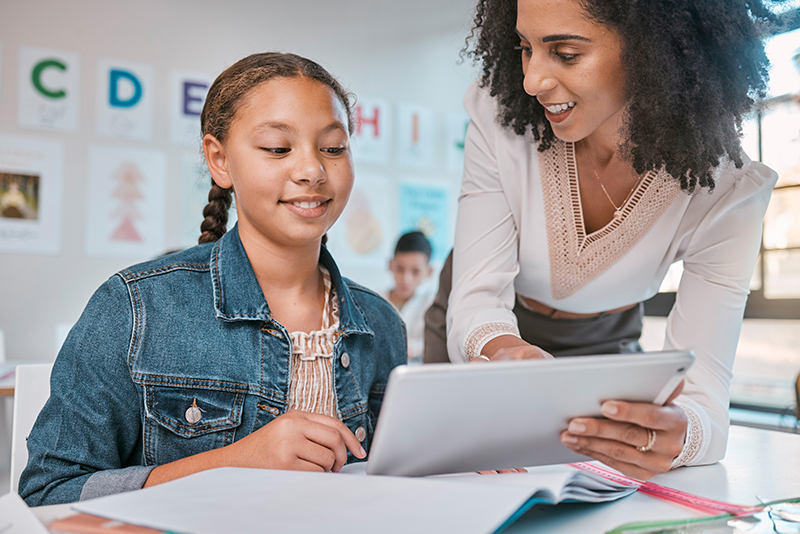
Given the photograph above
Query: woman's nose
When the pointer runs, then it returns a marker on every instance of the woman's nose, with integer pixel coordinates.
(537, 77)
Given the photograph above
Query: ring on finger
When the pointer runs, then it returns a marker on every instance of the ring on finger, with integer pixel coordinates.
(651, 440)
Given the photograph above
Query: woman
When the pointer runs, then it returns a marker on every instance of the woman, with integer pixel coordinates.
(603, 147)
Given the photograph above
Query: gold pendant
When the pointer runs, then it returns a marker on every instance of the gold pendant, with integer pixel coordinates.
(617, 215)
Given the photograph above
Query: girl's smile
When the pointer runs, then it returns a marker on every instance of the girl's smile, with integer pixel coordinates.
(309, 207)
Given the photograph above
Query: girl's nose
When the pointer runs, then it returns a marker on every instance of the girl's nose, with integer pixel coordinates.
(309, 169)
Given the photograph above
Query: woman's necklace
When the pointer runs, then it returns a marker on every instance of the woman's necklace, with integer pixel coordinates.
(617, 209)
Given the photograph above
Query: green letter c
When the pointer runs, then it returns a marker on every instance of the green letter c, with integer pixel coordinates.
(36, 77)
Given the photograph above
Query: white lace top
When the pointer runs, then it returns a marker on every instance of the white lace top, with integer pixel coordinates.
(311, 376)
(518, 233)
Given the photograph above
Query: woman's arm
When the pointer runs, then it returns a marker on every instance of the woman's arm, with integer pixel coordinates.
(706, 318)
(709, 306)
(486, 241)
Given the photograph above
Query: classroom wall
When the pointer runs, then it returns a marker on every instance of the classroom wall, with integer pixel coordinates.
(400, 52)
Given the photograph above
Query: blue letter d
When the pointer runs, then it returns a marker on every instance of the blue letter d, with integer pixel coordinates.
(113, 97)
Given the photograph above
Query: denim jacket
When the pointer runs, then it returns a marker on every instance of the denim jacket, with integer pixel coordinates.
(191, 328)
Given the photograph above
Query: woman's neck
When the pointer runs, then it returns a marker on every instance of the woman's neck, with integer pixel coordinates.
(290, 280)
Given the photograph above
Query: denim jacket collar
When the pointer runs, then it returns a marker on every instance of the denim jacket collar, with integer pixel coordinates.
(238, 296)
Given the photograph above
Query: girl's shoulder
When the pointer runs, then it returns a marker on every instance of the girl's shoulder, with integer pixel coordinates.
(196, 258)
(370, 300)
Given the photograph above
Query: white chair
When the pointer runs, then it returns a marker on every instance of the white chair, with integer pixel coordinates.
(30, 393)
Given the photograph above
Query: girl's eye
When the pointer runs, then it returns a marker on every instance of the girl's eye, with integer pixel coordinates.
(525, 49)
(280, 150)
(334, 150)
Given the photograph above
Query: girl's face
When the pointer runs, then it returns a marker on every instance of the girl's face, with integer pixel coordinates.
(287, 156)
(573, 67)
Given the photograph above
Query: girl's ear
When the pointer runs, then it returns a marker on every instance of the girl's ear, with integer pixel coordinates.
(217, 161)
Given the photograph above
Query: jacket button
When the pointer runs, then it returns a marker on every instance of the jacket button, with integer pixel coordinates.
(361, 433)
(193, 414)
(345, 360)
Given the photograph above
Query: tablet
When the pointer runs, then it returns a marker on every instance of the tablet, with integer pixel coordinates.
(445, 418)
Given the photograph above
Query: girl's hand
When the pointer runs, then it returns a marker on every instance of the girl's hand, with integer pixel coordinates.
(621, 442)
(297, 441)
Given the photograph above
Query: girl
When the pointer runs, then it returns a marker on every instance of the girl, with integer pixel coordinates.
(247, 350)
(603, 146)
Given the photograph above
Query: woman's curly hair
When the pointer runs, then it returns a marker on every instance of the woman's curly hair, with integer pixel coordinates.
(695, 67)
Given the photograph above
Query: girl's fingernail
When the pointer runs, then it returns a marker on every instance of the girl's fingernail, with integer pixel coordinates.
(609, 408)
(576, 428)
(566, 438)
(363, 452)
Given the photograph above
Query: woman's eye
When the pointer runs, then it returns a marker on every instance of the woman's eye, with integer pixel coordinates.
(525, 49)
(568, 58)
(279, 150)
(334, 150)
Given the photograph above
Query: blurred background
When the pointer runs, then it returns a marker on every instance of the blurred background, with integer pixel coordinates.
(100, 162)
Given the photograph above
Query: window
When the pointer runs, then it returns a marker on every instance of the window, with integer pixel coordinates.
(768, 356)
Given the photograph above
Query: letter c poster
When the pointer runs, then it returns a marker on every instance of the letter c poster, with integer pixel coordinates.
(124, 99)
(48, 89)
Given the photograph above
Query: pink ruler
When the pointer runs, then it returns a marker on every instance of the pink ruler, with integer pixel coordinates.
(663, 492)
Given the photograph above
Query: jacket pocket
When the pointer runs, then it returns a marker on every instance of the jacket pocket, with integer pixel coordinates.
(183, 421)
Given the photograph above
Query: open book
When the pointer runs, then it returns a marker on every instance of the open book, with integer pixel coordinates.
(257, 500)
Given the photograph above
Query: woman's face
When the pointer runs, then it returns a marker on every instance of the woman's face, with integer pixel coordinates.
(287, 157)
(573, 67)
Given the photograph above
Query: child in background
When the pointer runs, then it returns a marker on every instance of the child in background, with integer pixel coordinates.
(248, 350)
(410, 266)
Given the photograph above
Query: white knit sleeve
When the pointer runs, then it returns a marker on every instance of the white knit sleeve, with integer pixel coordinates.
(485, 251)
(707, 315)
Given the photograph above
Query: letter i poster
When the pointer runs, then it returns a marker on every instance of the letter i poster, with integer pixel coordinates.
(126, 202)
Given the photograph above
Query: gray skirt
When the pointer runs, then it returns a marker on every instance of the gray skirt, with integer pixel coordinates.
(608, 333)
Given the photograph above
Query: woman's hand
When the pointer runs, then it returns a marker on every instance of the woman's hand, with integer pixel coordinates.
(621, 441)
(509, 347)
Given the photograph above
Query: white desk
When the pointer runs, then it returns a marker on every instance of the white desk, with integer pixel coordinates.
(759, 463)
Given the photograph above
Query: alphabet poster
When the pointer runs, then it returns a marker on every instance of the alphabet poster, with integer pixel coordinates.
(424, 206)
(126, 202)
(372, 132)
(188, 93)
(48, 92)
(456, 134)
(30, 194)
(416, 136)
(1, 70)
(124, 99)
(363, 233)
